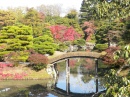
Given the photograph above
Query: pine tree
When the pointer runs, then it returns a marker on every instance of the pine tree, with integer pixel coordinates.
(34, 19)
(15, 39)
(104, 9)
(87, 10)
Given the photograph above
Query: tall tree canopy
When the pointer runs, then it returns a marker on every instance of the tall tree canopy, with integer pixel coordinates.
(50, 10)
(87, 10)
(112, 9)
(72, 14)
(104, 9)
(34, 19)
(7, 18)
(18, 13)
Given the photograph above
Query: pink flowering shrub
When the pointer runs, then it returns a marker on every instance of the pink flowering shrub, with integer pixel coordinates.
(15, 76)
(4, 75)
(3, 65)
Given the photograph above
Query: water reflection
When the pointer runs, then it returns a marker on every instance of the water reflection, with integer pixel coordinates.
(82, 83)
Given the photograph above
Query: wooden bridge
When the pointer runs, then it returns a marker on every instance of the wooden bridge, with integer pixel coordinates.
(68, 55)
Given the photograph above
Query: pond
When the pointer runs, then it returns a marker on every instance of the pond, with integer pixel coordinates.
(82, 83)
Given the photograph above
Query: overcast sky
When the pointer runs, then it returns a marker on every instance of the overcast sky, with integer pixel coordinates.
(65, 4)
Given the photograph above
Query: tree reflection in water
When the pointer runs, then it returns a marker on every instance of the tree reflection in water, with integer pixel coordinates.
(82, 84)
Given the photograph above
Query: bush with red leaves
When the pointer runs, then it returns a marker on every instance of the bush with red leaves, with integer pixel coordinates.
(4, 64)
(108, 59)
(38, 61)
(89, 29)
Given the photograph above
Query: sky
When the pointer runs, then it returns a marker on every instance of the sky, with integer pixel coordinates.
(65, 4)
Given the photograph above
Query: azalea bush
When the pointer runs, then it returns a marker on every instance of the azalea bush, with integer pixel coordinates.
(4, 64)
(38, 61)
(10, 75)
(15, 76)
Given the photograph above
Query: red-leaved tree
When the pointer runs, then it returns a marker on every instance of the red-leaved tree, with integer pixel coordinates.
(63, 33)
(108, 59)
(89, 29)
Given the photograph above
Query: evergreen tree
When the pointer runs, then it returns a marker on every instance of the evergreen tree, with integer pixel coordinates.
(72, 14)
(15, 38)
(18, 13)
(35, 20)
(104, 10)
(44, 45)
(87, 10)
(113, 9)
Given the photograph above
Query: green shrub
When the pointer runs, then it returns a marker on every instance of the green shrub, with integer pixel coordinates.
(16, 57)
(62, 47)
(101, 47)
(44, 45)
(79, 42)
(38, 66)
(51, 51)
(116, 86)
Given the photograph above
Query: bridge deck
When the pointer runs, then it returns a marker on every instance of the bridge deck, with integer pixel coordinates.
(73, 55)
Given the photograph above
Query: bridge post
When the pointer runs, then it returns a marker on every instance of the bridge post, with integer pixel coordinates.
(96, 67)
(96, 74)
(67, 77)
(56, 70)
(96, 85)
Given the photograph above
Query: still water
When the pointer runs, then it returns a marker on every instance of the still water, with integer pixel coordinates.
(82, 83)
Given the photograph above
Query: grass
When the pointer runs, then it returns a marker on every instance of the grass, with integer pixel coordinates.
(31, 74)
(42, 74)
(21, 83)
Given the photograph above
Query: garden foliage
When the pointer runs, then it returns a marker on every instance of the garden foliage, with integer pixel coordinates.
(116, 86)
(38, 61)
(63, 33)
